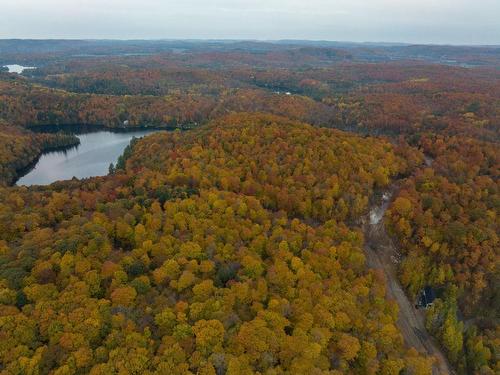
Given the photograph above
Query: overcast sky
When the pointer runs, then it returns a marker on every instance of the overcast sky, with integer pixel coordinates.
(415, 21)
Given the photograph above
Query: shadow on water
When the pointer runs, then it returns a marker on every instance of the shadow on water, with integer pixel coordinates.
(98, 148)
(79, 129)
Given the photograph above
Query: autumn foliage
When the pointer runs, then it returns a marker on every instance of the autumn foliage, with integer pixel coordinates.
(234, 247)
(103, 276)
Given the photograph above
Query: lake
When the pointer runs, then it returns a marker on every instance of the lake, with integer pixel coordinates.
(97, 150)
(15, 68)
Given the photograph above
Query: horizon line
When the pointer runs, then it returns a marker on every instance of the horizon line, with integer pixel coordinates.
(258, 40)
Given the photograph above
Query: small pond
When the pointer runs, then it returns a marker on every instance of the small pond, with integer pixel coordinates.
(97, 150)
(15, 68)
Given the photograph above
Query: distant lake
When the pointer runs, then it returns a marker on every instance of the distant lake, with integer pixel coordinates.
(97, 150)
(14, 68)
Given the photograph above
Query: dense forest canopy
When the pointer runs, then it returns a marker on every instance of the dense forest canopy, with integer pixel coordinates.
(211, 279)
(236, 247)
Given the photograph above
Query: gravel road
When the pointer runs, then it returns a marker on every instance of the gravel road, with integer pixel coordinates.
(381, 253)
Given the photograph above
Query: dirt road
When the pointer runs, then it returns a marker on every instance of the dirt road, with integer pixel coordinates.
(382, 254)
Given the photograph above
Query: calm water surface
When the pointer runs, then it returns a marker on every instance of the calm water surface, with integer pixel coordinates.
(15, 68)
(91, 158)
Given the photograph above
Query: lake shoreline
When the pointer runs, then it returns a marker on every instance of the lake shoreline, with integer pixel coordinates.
(96, 149)
(20, 173)
(93, 128)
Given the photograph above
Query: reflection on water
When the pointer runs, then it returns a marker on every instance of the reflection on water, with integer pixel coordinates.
(14, 68)
(92, 157)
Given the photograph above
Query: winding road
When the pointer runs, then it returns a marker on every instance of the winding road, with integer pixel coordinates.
(382, 253)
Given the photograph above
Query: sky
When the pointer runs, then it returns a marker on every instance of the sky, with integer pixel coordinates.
(411, 21)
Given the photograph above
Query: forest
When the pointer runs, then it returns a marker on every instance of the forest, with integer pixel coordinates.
(234, 244)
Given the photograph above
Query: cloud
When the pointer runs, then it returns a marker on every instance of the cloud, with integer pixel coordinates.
(419, 21)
